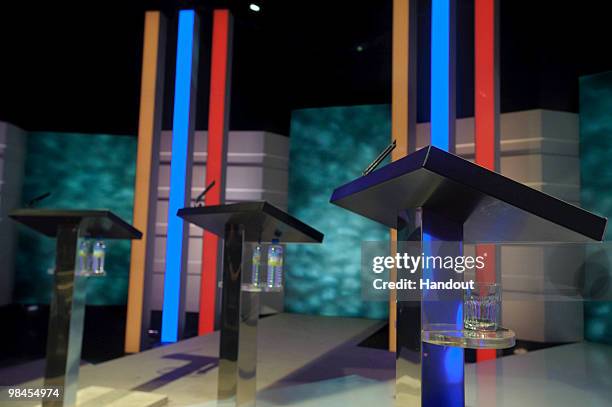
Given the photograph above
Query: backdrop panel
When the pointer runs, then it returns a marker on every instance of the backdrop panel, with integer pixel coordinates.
(596, 195)
(80, 171)
(329, 147)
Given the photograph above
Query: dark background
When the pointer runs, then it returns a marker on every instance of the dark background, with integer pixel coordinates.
(75, 66)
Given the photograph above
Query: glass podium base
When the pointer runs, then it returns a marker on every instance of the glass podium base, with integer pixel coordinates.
(260, 288)
(448, 335)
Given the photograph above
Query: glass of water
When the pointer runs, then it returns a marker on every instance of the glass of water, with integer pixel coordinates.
(482, 307)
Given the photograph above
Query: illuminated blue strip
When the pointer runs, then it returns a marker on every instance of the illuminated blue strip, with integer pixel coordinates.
(440, 78)
(443, 372)
(178, 171)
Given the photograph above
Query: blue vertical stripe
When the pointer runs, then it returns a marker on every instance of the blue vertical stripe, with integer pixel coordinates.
(178, 171)
(440, 73)
(443, 373)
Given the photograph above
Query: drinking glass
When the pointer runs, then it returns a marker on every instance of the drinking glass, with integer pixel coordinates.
(482, 307)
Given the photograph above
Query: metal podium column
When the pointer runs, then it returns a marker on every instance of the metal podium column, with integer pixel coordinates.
(67, 310)
(65, 335)
(408, 363)
(239, 314)
(443, 371)
(426, 374)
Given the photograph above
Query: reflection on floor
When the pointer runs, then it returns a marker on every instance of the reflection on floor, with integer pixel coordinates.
(316, 361)
(292, 349)
(344, 391)
(568, 375)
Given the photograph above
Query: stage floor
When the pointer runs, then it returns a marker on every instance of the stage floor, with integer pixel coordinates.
(316, 361)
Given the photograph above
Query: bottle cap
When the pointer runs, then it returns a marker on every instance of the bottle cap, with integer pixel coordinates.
(275, 241)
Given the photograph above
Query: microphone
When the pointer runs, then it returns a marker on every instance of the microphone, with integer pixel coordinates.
(200, 198)
(36, 200)
(380, 158)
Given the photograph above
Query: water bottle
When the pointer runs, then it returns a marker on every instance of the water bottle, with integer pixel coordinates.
(275, 265)
(99, 252)
(256, 267)
(84, 257)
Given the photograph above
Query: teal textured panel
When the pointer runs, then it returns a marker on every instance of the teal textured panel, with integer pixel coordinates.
(329, 147)
(81, 171)
(596, 192)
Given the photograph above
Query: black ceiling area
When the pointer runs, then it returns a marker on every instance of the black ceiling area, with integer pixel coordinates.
(75, 66)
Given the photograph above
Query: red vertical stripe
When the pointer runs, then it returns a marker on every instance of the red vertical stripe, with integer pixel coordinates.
(486, 275)
(484, 82)
(208, 281)
(217, 129)
(484, 117)
(485, 354)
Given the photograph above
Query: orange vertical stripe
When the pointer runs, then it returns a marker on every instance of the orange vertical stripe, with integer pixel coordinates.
(403, 111)
(148, 129)
(399, 126)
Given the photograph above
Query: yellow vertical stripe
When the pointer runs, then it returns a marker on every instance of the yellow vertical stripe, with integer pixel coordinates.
(142, 191)
(399, 91)
(403, 110)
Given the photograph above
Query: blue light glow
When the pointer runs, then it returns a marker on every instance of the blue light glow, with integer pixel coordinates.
(440, 78)
(453, 359)
(178, 170)
(459, 317)
(453, 366)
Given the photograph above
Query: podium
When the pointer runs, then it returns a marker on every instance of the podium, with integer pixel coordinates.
(65, 334)
(432, 197)
(239, 223)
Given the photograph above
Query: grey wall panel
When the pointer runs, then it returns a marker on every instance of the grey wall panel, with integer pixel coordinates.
(195, 254)
(539, 168)
(569, 193)
(193, 292)
(158, 290)
(277, 152)
(12, 164)
(552, 321)
(160, 254)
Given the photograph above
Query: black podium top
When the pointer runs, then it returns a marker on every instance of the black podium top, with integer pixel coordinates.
(492, 208)
(97, 223)
(262, 222)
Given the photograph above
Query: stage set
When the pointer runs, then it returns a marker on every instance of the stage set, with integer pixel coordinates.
(261, 239)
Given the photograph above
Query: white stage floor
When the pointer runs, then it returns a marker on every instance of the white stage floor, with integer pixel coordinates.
(315, 361)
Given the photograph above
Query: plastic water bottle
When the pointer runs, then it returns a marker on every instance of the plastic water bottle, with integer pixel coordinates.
(256, 267)
(99, 252)
(275, 265)
(84, 257)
